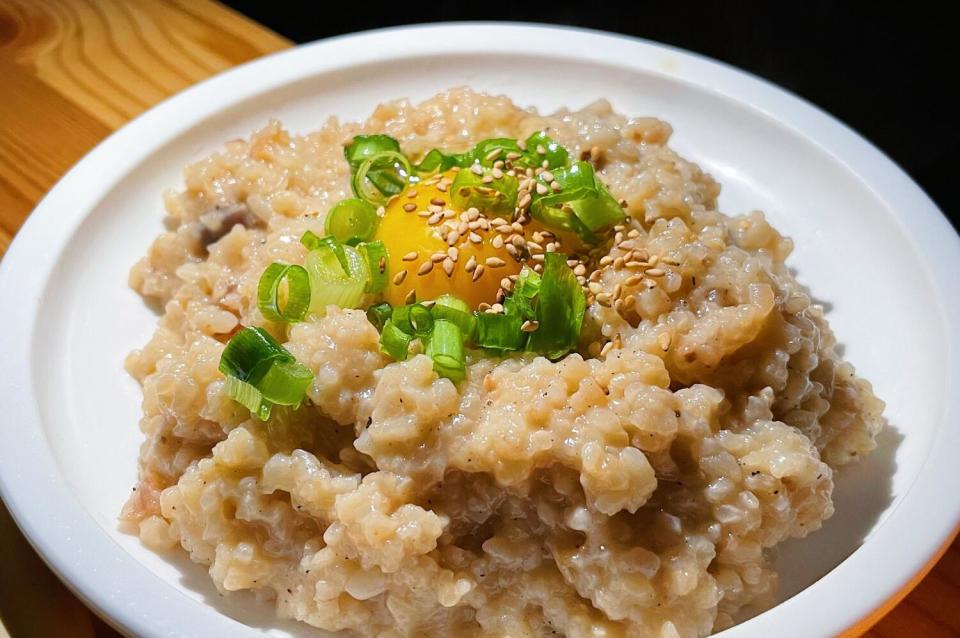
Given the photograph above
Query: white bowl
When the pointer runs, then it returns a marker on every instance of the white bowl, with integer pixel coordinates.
(869, 243)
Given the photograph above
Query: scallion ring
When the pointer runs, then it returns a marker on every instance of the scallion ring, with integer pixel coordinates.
(450, 308)
(382, 176)
(379, 314)
(395, 342)
(352, 221)
(414, 319)
(499, 333)
(363, 147)
(445, 347)
(297, 292)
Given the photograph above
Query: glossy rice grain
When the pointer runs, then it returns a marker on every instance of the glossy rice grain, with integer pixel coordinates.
(635, 493)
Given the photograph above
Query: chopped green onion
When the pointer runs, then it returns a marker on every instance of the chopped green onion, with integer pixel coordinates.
(499, 333)
(394, 341)
(489, 151)
(498, 197)
(249, 397)
(298, 292)
(378, 314)
(562, 218)
(382, 176)
(454, 310)
(263, 367)
(333, 282)
(375, 254)
(583, 194)
(352, 221)
(436, 161)
(363, 147)
(414, 319)
(560, 308)
(525, 290)
(555, 154)
(445, 347)
(312, 242)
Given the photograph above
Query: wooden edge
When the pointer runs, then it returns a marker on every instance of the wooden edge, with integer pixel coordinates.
(863, 625)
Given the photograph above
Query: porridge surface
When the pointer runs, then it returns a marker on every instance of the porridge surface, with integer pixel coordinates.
(633, 492)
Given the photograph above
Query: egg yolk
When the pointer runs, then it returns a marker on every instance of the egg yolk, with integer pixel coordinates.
(436, 248)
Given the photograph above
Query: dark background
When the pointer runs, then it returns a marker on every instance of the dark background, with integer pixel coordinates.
(884, 72)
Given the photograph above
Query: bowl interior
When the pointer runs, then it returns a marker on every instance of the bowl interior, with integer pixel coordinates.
(851, 251)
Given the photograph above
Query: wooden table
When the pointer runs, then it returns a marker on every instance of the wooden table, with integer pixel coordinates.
(72, 71)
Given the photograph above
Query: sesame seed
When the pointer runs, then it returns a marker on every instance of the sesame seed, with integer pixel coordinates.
(618, 306)
(595, 287)
(453, 253)
(488, 179)
(547, 176)
(552, 247)
(538, 258)
(425, 267)
(410, 256)
(517, 227)
(483, 307)
(495, 262)
(633, 280)
(545, 164)
(594, 349)
(529, 326)
(654, 259)
(618, 263)
(541, 150)
(411, 297)
(494, 154)
(453, 237)
(439, 256)
(497, 307)
(538, 268)
(606, 260)
(412, 193)
(399, 277)
(434, 219)
(524, 201)
(655, 272)
(424, 213)
(513, 155)
(476, 169)
(477, 272)
(438, 201)
(626, 244)
(501, 295)
(542, 189)
(671, 261)
(633, 234)
(429, 303)
(497, 173)
(443, 186)
(474, 225)
(506, 284)
(463, 227)
(512, 251)
(499, 164)
(580, 270)
(636, 264)
(448, 266)
(497, 241)
(409, 207)
(449, 214)
(475, 238)
(471, 264)
(629, 301)
(521, 145)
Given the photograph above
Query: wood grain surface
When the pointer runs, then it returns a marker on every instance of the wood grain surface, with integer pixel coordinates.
(72, 71)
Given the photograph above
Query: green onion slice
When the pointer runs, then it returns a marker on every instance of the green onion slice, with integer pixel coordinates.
(560, 308)
(414, 319)
(445, 347)
(363, 147)
(263, 367)
(312, 242)
(352, 221)
(376, 256)
(456, 311)
(333, 282)
(298, 292)
(382, 176)
(521, 301)
(498, 197)
(489, 151)
(436, 161)
(395, 342)
(555, 154)
(379, 314)
(584, 195)
(499, 333)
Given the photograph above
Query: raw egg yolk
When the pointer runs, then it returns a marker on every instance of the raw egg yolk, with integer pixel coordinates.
(436, 248)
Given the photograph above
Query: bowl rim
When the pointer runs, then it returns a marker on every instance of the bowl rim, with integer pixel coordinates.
(136, 601)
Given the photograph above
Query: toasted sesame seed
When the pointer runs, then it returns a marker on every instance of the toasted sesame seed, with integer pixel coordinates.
(443, 186)
(636, 264)
(501, 295)
(580, 270)
(429, 303)
(606, 260)
(399, 277)
(410, 256)
(541, 150)
(524, 201)
(529, 326)
(552, 247)
(471, 264)
(533, 246)
(453, 253)
(506, 284)
(497, 222)
(618, 263)
(517, 240)
(411, 296)
(494, 154)
(438, 256)
(477, 272)
(474, 225)
(497, 307)
(626, 244)
(618, 305)
(438, 201)
(424, 213)
(604, 299)
(449, 214)
(497, 173)
(487, 179)
(409, 207)
(448, 266)
(547, 176)
(538, 268)
(542, 188)
(512, 251)
(475, 238)
(483, 307)
(655, 272)
(521, 145)
(497, 241)
(517, 227)
(671, 261)
(595, 287)
(452, 237)
(462, 228)
(538, 258)
(632, 280)
(476, 169)
(434, 219)
(513, 155)
(495, 262)
(425, 267)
